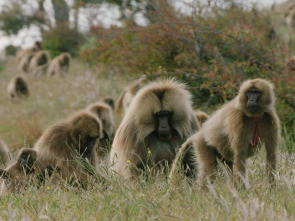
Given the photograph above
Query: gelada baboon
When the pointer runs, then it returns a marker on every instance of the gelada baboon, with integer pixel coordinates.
(201, 116)
(109, 101)
(127, 95)
(68, 146)
(39, 63)
(37, 47)
(234, 132)
(17, 87)
(105, 114)
(157, 122)
(4, 153)
(24, 57)
(60, 64)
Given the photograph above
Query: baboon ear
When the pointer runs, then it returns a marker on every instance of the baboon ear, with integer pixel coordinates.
(4, 174)
(26, 159)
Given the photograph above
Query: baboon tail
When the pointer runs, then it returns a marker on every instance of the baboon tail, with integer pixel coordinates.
(119, 103)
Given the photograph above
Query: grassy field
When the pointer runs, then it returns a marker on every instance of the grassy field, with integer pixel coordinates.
(52, 99)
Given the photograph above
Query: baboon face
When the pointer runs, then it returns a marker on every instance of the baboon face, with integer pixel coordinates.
(256, 96)
(86, 132)
(253, 95)
(163, 125)
(16, 175)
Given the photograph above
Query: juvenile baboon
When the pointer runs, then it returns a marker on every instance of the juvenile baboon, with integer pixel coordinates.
(233, 133)
(157, 122)
(39, 63)
(17, 87)
(66, 146)
(4, 153)
(60, 64)
(127, 95)
(201, 116)
(105, 114)
(109, 101)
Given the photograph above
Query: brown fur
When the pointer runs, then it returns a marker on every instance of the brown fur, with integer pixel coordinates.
(17, 87)
(105, 114)
(109, 101)
(39, 63)
(24, 57)
(135, 136)
(201, 116)
(60, 64)
(62, 146)
(4, 153)
(127, 95)
(37, 47)
(227, 134)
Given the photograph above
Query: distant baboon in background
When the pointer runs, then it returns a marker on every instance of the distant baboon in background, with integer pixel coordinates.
(291, 63)
(233, 132)
(201, 116)
(104, 112)
(37, 47)
(39, 63)
(157, 122)
(127, 95)
(60, 64)
(109, 101)
(24, 57)
(68, 146)
(18, 87)
(24, 62)
(4, 153)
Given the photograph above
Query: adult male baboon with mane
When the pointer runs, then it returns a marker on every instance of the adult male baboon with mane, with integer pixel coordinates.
(66, 146)
(17, 87)
(60, 64)
(127, 95)
(157, 122)
(234, 131)
(4, 153)
(105, 114)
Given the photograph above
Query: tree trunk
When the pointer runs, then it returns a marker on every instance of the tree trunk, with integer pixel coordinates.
(61, 12)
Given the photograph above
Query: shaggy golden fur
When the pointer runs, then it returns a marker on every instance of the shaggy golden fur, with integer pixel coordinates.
(104, 112)
(60, 64)
(4, 153)
(228, 134)
(17, 87)
(64, 146)
(127, 95)
(201, 116)
(135, 140)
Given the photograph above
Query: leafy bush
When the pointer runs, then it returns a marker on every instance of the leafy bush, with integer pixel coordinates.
(11, 50)
(62, 39)
(214, 49)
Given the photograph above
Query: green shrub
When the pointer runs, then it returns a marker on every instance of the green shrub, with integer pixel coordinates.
(62, 39)
(214, 49)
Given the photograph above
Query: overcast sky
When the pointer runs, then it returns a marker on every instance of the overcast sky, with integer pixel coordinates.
(107, 17)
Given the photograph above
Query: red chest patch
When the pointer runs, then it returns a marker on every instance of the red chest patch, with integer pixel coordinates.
(255, 138)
